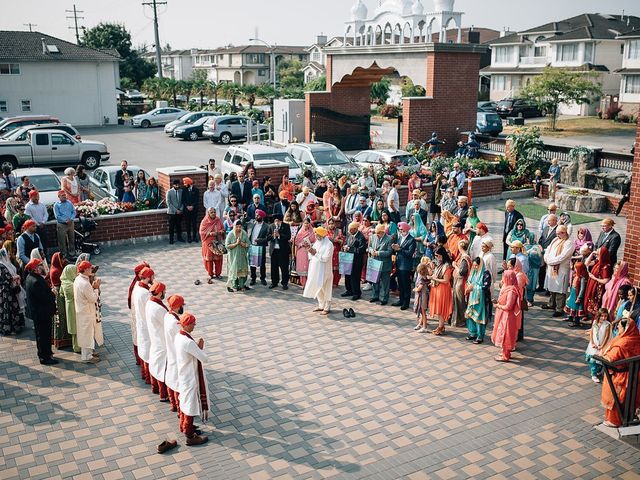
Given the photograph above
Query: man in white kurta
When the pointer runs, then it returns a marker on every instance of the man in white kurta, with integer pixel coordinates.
(216, 195)
(171, 330)
(155, 312)
(482, 235)
(132, 311)
(88, 324)
(558, 259)
(139, 298)
(192, 383)
(320, 277)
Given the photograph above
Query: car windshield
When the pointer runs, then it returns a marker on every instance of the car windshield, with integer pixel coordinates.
(185, 117)
(330, 157)
(45, 183)
(505, 103)
(278, 156)
(405, 160)
(492, 117)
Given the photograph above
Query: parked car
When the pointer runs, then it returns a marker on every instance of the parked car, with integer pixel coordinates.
(105, 177)
(11, 123)
(186, 119)
(321, 158)
(134, 95)
(226, 128)
(157, 117)
(191, 132)
(386, 158)
(488, 123)
(513, 107)
(20, 134)
(52, 147)
(238, 156)
(487, 106)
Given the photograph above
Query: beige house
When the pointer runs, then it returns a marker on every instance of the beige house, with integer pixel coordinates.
(176, 64)
(629, 98)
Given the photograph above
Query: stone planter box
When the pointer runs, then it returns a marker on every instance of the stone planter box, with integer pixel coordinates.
(590, 203)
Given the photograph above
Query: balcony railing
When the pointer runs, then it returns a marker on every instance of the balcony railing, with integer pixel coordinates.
(533, 61)
(627, 409)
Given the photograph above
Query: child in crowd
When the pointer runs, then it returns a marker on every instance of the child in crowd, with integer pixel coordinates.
(537, 184)
(257, 190)
(128, 196)
(598, 339)
(626, 300)
(421, 300)
(575, 303)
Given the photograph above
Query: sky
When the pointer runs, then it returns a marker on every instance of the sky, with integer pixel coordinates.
(214, 23)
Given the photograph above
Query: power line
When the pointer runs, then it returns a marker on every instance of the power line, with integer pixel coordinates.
(75, 21)
(30, 25)
(154, 4)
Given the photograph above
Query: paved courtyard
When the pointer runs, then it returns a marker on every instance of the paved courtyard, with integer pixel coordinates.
(297, 395)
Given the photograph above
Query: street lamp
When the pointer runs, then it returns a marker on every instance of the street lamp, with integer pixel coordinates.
(272, 61)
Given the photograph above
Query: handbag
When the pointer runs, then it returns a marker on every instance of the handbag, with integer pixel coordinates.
(255, 255)
(345, 263)
(374, 266)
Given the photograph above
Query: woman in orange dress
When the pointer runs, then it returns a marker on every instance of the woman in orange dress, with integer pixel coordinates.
(441, 296)
(212, 235)
(507, 315)
(625, 345)
(287, 187)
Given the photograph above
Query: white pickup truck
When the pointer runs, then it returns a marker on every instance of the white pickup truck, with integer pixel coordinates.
(47, 148)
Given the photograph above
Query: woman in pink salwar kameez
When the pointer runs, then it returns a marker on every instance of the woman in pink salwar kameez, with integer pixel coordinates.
(507, 316)
(304, 238)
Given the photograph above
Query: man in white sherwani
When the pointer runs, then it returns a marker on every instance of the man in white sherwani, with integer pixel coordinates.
(192, 383)
(216, 195)
(139, 298)
(88, 324)
(171, 330)
(155, 312)
(132, 312)
(558, 259)
(320, 277)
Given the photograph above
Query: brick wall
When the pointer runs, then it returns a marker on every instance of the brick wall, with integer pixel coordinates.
(276, 174)
(631, 251)
(199, 177)
(482, 187)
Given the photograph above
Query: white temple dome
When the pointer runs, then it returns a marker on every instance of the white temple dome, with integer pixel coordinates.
(418, 8)
(390, 6)
(359, 11)
(444, 5)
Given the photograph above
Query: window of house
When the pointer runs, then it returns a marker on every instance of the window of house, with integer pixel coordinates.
(588, 52)
(9, 69)
(3, 106)
(503, 54)
(262, 72)
(255, 58)
(567, 52)
(316, 56)
(25, 105)
(632, 84)
(499, 82)
(540, 51)
(633, 51)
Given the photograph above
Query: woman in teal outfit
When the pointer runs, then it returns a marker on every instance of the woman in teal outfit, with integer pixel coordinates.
(476, 312)
(534, 254)
(419, 232)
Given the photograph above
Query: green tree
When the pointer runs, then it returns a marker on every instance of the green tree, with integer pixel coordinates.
(185, 87)
(556, 86)
(232, 91)
(201, 84)
(411, 90)
(154, 88)
(290, 74)
(170, 88)
(380, 91)
(249, 94)
(316, 85)
(133, 67)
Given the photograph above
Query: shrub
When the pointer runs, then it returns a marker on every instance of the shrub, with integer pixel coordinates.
(612, 112)
(389, 111)
(526, 150)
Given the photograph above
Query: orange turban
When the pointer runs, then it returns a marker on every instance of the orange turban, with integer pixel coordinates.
(157, 287)
(187, 319)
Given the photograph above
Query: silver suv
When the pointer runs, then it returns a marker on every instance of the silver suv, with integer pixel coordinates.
(226, 128)
(321, 158)
(187, 119)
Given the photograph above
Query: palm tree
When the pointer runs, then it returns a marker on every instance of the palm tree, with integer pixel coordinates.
(170, 88)
(185, 87)
(154, 88)
(249, 93)
(231, 90)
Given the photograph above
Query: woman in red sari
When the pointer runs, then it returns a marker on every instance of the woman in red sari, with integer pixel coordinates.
(507, 315)
(212, 235)
(337, 238)
(625, 345)
(599, 275)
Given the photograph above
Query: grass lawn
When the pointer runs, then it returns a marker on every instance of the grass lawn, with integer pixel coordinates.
(535, 211)
(582, 126)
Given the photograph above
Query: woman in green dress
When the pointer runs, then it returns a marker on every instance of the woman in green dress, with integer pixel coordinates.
(69, 274)
(237, 244)
(419, 232)
(60, 337)
(476, 311)
(520, 233)
(471, 224)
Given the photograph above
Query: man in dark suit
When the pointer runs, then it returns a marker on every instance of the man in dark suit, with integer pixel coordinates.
(241, 188)
(190, 200)
(610, 239)
(41, 307)
(254, 207)
(280, 251)
(282, 206)
(258, 233)
(548, 236)
(380, 249)
(356, 244)
(511, 216)
(405, 249)
(118, 182)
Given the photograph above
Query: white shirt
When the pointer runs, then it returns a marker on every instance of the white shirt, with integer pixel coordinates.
(216, 199)
(303, 201)
(255, 231)
(37, 211)
(139, 298)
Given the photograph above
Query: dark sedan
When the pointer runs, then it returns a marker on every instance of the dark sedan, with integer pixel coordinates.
(511, 107)
(191, 131)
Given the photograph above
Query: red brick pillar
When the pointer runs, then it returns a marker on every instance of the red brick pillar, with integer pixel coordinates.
(632, 210)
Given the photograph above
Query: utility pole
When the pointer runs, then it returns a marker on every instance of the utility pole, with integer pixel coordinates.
(30, 25)
(154, 4)
(75, 21)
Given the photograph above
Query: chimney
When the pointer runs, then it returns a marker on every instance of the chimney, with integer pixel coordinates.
(44, 46)
(321, 39)
(474, 37)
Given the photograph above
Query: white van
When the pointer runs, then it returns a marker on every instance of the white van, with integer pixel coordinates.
(238, 156)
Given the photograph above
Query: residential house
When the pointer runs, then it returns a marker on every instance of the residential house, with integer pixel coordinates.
(41, 74)
(176, 64)
(316, 66)
(629, 99)
(587, 42)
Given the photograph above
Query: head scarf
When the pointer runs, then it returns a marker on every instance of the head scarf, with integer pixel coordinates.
(473, 216)
(33, 263)
(209, 224)
(320, 232)
(35, 255)
(580, 273)
(82, 258)
(56, 269)
(439, 230)
(83, 266)
(69, 274)
(577, 243)
(404, 226)
(27, 224)
(610, 297)
(603, 266)
(6, 261)
(175, 302)
(419, 230)
(522, 235)
(157, 288)
(510, 286)
(522, 278)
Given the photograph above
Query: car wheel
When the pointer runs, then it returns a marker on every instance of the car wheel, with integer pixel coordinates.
(8, 162)
(193, 136)
(145, 124)
(225, 138)
(91, 160)
(97, 251)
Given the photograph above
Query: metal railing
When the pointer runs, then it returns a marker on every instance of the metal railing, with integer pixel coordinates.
(627, 411)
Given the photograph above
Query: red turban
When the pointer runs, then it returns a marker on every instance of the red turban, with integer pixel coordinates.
(8, 228)
(187, 181)
(157, 287)
(141, 266)
(175, 302)
(60, 192)
(146, 273)
(83, 265)
(31, 266)
(33, 193)
(187, 319)
(482, 226)
(260, 213)
(28, 223)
